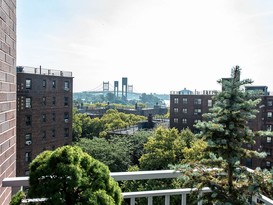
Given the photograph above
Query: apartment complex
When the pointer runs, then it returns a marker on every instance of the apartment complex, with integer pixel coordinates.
(44, 113)
(187, 107)
(7, 95)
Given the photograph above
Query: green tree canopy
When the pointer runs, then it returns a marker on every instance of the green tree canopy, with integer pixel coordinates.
(163, 148)
(70, 176)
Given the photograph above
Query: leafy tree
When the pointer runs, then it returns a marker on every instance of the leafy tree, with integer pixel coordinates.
(163, 148)
(17, 198)
(117, 152)
(70, 176)
(226, 131)
(76, 126)
(113, 154)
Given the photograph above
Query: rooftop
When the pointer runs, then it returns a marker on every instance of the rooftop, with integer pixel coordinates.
(42, 71)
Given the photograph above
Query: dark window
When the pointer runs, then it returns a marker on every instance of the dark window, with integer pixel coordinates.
(53, 117)
(44, 134)
(44, 83)
(28, 157)
(66, 132)
(185, 100)
(28, 83)
(176, 100)
(66, 117)
(28, 120)
(44, 117)
(270, 103)
(54, 84)
(44, 100)
(197, 101)
(53, 100)
(65, 101)
(53, 133)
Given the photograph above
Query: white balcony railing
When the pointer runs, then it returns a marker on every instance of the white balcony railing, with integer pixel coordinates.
(140, 175)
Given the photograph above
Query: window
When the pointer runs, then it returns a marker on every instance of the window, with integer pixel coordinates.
(184, 121)
(44, 100)
(65, 101)
(66, 85)
(176, 100)
(44, 83)
(175, 110)
(66, 132)
(268, 139)
(28, 120)
(270, 103)
(53, 133)
(44, 134)
(197, 101)
(28, 102)
(196, 121)
(66, 117)
(269, 128)
(53, 100)
(54, 84)
(185, 110)
(175, 120)
(28, 83)
(28, 157)
(268, 164)
(26, 172)
(185, 100)
(249, 162)
(209, 103)
(269, 115)
(53, 117)
(43, 117)
(197, 111)
(28, 140)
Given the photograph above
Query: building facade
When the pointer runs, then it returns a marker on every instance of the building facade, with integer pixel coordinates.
(44, 113)
(186, 109)
(7, 95)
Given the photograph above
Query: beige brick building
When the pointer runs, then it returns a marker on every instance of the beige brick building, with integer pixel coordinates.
(7, 95)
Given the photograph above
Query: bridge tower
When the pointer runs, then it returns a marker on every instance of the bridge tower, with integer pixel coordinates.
(105, 87)
(130, 88)
(124, 89)
(116, 88)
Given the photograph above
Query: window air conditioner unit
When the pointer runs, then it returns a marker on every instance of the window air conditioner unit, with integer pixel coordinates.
(28, 142)
(66, 120)
(66, 89)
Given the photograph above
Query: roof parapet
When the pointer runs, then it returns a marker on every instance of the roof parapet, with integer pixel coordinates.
(42, 71)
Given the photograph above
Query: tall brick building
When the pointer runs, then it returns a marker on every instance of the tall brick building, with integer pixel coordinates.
(7, 95)
(44, 113)
(187, 107)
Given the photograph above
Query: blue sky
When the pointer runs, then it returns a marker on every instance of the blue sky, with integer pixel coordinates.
(160, 45)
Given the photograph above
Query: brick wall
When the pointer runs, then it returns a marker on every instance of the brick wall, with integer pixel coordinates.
(7, 95)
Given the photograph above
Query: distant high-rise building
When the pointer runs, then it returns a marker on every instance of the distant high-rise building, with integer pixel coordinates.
(44, 113)
(7, 96)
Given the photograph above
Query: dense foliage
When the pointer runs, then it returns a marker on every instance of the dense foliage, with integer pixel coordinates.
(70, 176)
(225, 132)
(85, 127)
(118, 152)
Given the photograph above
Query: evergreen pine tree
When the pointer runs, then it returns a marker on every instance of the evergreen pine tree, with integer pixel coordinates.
(226, 131)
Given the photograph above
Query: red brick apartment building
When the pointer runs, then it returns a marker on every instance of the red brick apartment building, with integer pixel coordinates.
(187, 107)
(7, 95)
(44, 113)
